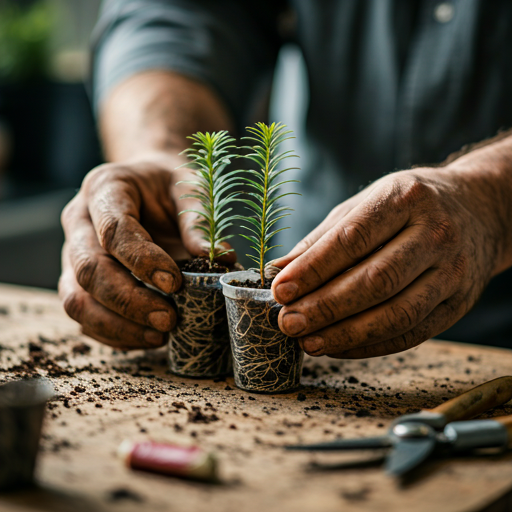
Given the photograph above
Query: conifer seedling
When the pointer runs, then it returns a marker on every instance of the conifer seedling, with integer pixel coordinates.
(210, 154)
(265, 189)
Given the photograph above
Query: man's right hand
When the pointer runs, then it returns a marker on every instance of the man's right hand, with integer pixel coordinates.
(124, 223)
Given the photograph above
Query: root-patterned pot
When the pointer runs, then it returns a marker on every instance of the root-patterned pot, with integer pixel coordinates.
(22, 406)
(264, 359)
(199, 346)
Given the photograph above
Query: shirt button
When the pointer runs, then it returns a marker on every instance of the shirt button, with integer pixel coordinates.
(443, 13)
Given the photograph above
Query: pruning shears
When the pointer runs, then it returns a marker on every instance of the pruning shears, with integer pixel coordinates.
(413, 438)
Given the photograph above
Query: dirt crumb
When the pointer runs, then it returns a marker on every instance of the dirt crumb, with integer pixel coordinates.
(124, 494)
(81, 349)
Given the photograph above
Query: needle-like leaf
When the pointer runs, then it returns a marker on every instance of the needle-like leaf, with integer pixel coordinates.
(264, 188)
(210, 154)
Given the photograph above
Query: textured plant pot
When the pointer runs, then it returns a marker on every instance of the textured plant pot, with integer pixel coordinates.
(22, 405)
(264, 359)
(199, 346)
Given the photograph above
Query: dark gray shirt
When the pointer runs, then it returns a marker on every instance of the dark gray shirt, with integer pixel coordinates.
(392, 83)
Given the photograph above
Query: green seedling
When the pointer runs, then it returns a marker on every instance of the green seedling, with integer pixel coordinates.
(265, 187)
(210, 154)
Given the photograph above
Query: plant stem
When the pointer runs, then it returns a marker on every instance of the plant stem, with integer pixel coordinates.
(263, 219)
(212, 210)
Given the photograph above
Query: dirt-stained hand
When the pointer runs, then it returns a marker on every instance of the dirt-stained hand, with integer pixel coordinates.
(391, 267)
(124, 223)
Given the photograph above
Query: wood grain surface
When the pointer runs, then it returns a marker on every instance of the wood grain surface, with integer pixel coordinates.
(105, 397)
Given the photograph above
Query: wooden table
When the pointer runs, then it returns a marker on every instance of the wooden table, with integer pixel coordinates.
(105, 397)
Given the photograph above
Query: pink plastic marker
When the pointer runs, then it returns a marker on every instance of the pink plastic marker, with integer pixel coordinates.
(169, 459)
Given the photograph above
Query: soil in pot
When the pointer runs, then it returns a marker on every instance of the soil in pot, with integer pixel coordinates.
(264, 359)
(199, 345)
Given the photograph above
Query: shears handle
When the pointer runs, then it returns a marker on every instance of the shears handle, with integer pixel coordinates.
(478, 400)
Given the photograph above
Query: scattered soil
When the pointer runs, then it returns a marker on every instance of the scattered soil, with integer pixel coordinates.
(82, 349)
(97, 387)
(124, 494)
(201, 265)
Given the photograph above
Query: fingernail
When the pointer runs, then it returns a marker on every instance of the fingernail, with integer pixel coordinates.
(314, 345)
(286, 292)
(153, 338)
(294, 323)
(160, 320)
(163, 281)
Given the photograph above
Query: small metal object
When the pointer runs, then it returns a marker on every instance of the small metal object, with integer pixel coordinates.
(413, 438)
(407, 430)
(22, 406)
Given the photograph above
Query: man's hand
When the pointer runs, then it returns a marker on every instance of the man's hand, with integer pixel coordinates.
(124, 221)
(395, 265)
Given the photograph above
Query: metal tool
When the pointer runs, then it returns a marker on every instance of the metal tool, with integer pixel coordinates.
(413, 438)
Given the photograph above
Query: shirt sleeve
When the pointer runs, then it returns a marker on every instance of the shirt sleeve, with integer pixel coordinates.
(228, 44)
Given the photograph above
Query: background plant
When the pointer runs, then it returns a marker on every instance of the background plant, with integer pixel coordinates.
(210, 154)
(264, 187)
(25, 33)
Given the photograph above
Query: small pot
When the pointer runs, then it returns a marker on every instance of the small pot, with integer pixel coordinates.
(264, 359)
(22, 405)
(199, 346)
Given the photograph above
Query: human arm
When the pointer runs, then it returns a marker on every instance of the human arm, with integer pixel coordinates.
(402, 260)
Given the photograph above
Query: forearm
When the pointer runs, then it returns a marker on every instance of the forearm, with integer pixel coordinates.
(487, 172)
(150, 115)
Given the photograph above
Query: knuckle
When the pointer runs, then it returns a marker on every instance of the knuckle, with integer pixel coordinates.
(380, 280)
(122, 301)
(85, 272)
(74, 305)
(442, 233)
(68, 211)
(327, 308)
(107, 231)
(459, 267)
(353, 239)
(303, 245)
(413, 188)
(98, 175)
(402, 317)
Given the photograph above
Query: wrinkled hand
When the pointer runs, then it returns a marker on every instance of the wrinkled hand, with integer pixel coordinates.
(391, 267)
(125, 220)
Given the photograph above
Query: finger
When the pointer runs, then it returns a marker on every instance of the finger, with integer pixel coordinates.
(99, 322)
(374, 280)
(441, 318)
(112, 285)
(335, 215)
(114, 207)
(388, 321)
(355, 236)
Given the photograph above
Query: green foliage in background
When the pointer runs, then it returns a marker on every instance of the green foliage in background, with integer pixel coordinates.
(210, 154)
(264, 183)
(25, 31)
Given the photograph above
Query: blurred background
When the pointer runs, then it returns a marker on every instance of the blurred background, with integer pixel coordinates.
(48, 139)
(47, 136)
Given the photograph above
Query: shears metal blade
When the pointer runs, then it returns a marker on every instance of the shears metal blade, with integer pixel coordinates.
(413, 438)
